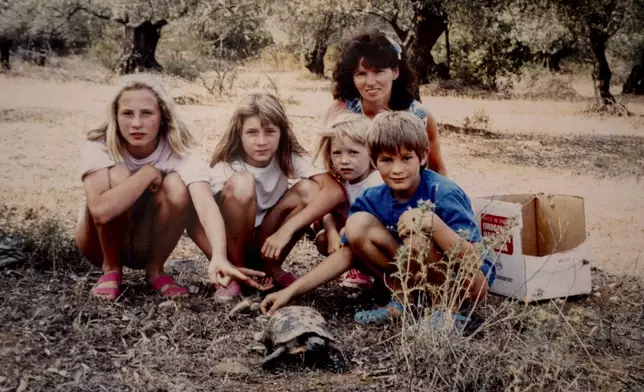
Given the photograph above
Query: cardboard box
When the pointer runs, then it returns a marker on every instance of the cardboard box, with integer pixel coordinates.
(546, 254)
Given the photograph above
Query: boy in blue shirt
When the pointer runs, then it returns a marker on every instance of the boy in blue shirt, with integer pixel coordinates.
(383, 217)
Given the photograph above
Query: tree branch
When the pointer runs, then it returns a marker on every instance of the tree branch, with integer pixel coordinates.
(159, 24)
(393, 22)
(98, 15)
(151, 10)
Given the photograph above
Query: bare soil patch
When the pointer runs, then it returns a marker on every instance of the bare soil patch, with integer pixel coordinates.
(600, 156)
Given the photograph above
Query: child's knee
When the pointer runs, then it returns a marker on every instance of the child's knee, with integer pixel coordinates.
(357, 226)
(240, 187)
(321, 242)
(418, 242)
(306, 190)
(478, 288)
(118, 174)
(175, 192)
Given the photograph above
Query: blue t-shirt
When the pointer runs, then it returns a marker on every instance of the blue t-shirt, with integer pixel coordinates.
(452, 206)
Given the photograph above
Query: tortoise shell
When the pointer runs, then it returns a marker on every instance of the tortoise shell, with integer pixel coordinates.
(291, 322)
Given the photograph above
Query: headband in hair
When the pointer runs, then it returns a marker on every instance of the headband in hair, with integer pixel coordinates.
(395, 46)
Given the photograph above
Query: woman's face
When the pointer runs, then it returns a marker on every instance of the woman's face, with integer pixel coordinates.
(373, 84)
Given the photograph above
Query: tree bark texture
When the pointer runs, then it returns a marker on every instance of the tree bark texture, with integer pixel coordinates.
(314, 58)
(5, 49)
(602, 73)
(634, 84)
(140, 45)
(429, 25)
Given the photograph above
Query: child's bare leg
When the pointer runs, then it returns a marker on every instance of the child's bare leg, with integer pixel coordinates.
(238, 206)
(237, 203)
(293, 201)
(322, 238)
(102, 244)
(322, 243)
(470, 290)
(172, 206)
(372, 243)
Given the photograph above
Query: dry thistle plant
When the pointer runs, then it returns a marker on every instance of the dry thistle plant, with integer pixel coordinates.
(457, 267)
(437, 307)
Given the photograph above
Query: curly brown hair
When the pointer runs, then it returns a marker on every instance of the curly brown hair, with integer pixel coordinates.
(375, 51)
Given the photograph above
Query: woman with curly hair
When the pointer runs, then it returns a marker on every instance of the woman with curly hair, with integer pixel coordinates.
(372, 76)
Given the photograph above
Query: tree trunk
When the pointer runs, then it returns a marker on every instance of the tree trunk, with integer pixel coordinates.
(634, 84)
(602, 73)
(429, 25)
(140, 47)
(448, 49)
(314, 58)
(5, 48)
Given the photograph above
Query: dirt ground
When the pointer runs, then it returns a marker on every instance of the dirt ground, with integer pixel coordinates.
(52, 337)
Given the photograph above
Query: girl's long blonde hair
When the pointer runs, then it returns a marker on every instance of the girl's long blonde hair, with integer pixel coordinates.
(179, 137)
(352, 125)
(270, 111)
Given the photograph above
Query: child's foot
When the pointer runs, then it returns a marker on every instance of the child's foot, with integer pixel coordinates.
(168, 287)
(108, 286)
(357, 279)
(440, 320)
(227, 294)
(284, 279)
(378, 316)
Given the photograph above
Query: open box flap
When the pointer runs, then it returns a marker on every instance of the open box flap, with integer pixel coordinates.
(560, 224)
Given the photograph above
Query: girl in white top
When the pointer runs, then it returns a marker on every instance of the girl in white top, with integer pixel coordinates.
(343, 147)
(142, 183)
(250, 169)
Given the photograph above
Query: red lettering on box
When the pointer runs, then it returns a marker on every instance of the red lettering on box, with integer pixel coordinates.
(493, 224)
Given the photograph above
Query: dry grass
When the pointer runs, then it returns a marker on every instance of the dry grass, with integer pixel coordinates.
(54, 337)
(274, 58)
(600, 156)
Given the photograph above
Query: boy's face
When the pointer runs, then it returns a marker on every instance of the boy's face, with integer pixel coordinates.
(401, 171)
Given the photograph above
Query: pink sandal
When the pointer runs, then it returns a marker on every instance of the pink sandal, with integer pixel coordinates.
(108, 293)
(354, 278)
(172, 288)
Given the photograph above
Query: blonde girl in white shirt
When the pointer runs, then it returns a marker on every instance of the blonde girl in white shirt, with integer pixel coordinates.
(343, 148)
(250, 172)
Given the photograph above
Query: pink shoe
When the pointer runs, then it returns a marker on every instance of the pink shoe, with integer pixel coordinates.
(226, 294)
(357, 279)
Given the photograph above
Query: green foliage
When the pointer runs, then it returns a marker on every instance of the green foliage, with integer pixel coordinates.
(44, 240)
(181, 68)
(106, 40)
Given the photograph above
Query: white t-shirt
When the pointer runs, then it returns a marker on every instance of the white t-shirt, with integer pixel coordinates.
(355, 190)
(270, 182)
(190, 167)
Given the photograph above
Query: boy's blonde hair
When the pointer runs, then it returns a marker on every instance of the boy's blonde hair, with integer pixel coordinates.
(391, 131)
(176, 132)
(270, 111)
(352, 125)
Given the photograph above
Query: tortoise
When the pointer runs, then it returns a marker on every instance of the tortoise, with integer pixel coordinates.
(298, 330)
